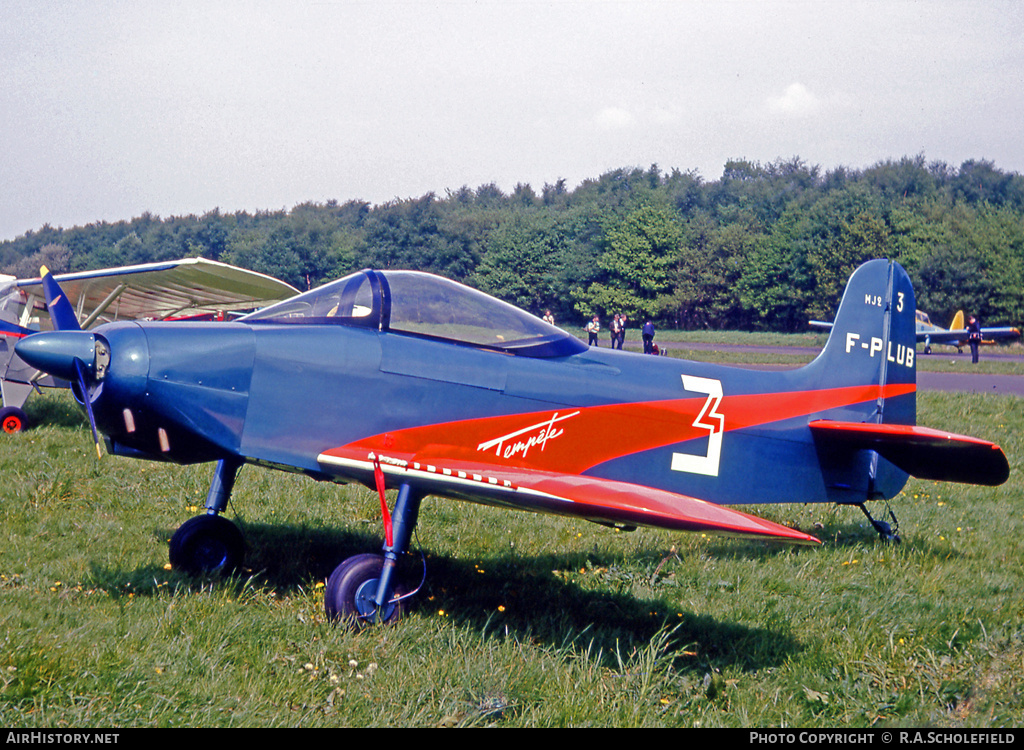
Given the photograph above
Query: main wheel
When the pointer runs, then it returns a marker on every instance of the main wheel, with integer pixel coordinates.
(12, 420)
(349, 594)
(207, 544)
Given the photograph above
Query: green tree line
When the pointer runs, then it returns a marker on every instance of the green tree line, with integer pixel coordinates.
(765, 247)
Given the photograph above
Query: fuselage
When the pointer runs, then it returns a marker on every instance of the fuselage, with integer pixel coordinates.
(283, 394)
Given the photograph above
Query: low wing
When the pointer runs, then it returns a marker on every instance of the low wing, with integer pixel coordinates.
(1000, 334)
(592, 498)
(959, 336)
(952, 336)
(941, 336)
(159, 290)
(920, 451)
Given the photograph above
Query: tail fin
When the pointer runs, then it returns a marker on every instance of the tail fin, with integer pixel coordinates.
(958, 321)
(872, 343)
(871, 446)
(61, 312)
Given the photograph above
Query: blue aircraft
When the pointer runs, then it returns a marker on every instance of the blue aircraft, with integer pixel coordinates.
(403, 380)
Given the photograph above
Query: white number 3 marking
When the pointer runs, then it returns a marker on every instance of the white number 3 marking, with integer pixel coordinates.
(707, 465)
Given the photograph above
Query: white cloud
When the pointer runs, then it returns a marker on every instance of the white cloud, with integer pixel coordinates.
(796, 101)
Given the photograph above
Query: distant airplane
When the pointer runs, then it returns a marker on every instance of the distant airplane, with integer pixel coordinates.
(956, 335)
(155, 291)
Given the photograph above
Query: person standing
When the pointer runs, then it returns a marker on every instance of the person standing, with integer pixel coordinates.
(613, 330)
(647, 334)
(593, 328)
(973, 337)
(548, 317)
(622, 329)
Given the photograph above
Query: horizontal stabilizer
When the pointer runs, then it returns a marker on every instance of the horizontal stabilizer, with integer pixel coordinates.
(921, 452)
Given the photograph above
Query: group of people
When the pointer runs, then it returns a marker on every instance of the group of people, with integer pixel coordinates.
(617, 332)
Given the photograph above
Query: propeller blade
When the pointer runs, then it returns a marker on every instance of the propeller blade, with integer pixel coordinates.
(80, 371)
(61, 312)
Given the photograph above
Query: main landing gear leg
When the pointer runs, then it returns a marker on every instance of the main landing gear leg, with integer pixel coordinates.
(211, 543)
(368, 588)
(885, 531)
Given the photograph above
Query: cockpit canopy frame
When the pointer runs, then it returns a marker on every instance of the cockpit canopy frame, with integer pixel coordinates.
(423, 305)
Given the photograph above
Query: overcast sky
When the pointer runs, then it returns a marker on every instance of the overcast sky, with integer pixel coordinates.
(111, 109)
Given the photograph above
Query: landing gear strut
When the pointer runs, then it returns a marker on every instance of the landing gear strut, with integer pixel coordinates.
(369, 588)
(210, 544)
(885, 531)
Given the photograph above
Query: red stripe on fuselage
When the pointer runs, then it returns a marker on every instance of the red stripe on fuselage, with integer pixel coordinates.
(574, 439)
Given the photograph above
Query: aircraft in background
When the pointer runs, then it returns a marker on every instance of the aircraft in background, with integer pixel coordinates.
(956, 335)
(403, 380)
(187, 287)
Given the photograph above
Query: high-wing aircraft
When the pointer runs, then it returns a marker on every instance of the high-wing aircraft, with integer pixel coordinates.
(403, 380)
(956, 335)
(191, 286)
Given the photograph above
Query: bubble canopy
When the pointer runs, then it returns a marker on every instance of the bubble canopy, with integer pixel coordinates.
(424, 305)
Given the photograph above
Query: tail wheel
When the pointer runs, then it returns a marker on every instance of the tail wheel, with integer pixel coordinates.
(351, 588)
(13, 420)
(207, 544)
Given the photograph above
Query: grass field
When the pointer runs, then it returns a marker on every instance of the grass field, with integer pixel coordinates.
(524, 620)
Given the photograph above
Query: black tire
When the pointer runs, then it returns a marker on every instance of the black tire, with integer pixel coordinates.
(348, 591)
(206, 545)
(13, 420)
